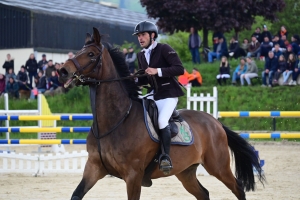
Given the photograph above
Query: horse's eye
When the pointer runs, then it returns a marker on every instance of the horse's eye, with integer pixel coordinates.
(91, 54)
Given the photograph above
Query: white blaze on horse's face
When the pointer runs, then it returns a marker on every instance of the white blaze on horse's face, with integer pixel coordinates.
(144, 39)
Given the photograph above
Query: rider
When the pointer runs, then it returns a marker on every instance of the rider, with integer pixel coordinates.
(162, 62)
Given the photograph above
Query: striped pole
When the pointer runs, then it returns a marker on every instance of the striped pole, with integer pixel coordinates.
(45, 117)
(43, 129)
(260, 114)
(37, 141)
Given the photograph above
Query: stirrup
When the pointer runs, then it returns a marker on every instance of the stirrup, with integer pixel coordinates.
(165, 164)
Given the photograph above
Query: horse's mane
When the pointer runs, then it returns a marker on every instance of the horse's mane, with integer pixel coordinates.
(119, 61)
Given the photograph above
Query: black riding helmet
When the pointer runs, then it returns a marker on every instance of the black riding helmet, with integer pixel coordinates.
(145, 26)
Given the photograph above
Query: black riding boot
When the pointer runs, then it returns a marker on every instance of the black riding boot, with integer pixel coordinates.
(165, 161)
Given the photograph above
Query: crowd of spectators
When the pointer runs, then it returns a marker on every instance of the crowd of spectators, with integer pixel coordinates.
(33, 78)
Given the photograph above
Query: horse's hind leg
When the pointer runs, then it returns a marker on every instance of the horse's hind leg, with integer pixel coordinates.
(191, 184)
(93, 171)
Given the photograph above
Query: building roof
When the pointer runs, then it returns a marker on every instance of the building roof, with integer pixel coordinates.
(80, 9)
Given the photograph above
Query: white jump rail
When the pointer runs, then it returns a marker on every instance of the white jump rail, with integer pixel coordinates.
(38, 164)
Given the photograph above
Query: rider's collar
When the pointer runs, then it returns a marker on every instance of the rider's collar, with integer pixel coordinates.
(152, 46)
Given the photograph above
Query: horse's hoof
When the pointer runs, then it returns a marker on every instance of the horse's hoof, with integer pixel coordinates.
(75, 198)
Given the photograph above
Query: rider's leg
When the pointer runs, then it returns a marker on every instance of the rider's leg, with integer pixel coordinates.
(165, 110)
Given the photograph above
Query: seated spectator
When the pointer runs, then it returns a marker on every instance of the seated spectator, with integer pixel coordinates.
(245, 46)
(40, 85)
(271, 66)
(195, 78)
(290, 67)
(219, 51)
(54, 83)
(184, 79)
(289, 50)
(295, 44)
(265, 47)
(22, 79)
(224, 71)
(12, 88)
(8, 64)
(282, 32)
(240, 69)
(266, 33)
(12, 74)
(277, 51)
(251, 71)
(234, 48)
(277, 40)
(2, 84)
(285, 41)
(296, 71)
(57, 67)
(254, 48)
(281, 68)
(257, 35)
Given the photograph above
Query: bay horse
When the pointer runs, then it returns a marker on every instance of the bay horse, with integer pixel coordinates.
(119, 145)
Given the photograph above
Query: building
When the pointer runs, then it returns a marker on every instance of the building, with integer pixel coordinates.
(58, 26)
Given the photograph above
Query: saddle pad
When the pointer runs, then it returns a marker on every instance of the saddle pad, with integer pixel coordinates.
(184, 136)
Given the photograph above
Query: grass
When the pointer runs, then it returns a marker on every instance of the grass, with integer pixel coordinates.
(230, 98)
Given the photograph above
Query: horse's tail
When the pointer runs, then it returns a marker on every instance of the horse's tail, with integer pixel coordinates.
(245, 160)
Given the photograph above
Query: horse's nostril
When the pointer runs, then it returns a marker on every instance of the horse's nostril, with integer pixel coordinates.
(63, 72)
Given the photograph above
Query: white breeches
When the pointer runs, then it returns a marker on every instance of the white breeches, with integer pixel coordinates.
(165, 109)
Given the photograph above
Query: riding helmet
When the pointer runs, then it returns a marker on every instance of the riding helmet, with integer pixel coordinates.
(145, 26)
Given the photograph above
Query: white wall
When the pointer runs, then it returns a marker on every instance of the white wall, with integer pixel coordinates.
(21, 56)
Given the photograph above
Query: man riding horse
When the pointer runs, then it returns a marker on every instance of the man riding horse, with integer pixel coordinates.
(162, 62)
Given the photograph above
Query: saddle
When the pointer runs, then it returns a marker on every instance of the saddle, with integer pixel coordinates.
(152, 110)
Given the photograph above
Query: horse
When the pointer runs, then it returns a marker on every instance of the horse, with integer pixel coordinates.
(119, 145)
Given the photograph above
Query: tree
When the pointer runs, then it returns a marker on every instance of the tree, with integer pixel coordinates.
(214, 15)
(289, 17)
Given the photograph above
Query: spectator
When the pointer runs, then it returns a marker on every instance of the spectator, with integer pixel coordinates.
(265, 47)
(285, 41)
(277, 51)
(194, 45)
(240, 69)
(12, 88)
(257, 35)
(50, 68)
(8, 64)
(296, 71)
(2, 84)
(290, 67)
(31, 66)
(289, 50)
(251, 71)
(57, 67)
(281, 68)
(40, 85)
(53, 80)
(266, 33)
(295, 43)
(184, 79)
(130, 60)
(22, 79)
(42, 62)
(277, 40)
(215, 38)
(70, 55)
(224, 71)
(271, 66)
(234, 48)
(195, 78)
(219, 50)
(282, 32)
(254, 48)
(125, 52)
(12, 74)
(245, 45)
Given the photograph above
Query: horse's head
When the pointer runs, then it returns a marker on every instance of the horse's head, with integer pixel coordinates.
(86, 63)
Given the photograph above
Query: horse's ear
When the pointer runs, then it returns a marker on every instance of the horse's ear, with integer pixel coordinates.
(88, 38)
(96, 35)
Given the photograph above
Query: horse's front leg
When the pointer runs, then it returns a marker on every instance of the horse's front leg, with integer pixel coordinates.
(93, 171)
(134, 184)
